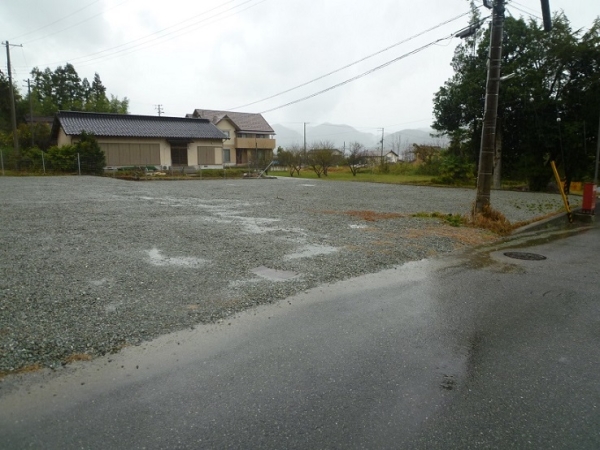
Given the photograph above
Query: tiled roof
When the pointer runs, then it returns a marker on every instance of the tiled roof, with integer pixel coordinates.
(126, 125)
(244, 122)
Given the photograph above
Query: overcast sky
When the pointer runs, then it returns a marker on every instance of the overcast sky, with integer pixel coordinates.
(223, 54)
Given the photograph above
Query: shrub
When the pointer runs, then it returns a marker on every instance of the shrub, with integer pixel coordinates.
(63, 159)
(91, 156)
(455, 170)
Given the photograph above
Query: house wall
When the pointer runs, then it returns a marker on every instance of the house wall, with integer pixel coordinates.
(63, 139)
(135, 151)
(123, 151)
(226, 126)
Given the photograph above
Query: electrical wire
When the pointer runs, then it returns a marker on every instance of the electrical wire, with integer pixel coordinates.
(85, 59)
(175, 34)
(364, 74)
(56, 21)
(532, 11)
(352, 63)
(525, 12)
(76, 24)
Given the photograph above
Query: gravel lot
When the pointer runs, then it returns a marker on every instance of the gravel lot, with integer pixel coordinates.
(89, 264)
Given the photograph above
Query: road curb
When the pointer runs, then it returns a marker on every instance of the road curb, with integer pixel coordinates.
(560, 220)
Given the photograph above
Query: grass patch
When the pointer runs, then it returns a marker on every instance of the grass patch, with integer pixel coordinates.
(344, 174)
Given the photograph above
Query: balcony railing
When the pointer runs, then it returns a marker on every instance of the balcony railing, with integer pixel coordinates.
(255, 143)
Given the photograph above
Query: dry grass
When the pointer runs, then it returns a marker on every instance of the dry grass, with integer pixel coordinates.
(461, 235)
(492, 220)
(367, 215)
(22, 370)
(77, 357)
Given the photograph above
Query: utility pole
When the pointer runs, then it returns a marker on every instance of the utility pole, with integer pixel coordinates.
(488, 134)
(305, 141)
(159, 109)
(597, 154)
(12, 99)
(382, 134)
(30, 111)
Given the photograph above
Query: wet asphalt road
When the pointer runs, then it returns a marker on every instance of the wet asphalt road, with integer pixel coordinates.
(471, 351)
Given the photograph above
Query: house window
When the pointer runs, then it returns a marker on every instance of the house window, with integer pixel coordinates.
(226, 155)
(226, 133)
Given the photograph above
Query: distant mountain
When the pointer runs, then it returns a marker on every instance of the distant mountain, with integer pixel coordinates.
(399, 141)
(340, 134)
(285, 136)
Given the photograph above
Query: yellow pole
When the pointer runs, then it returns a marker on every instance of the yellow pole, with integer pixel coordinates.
(562, 191)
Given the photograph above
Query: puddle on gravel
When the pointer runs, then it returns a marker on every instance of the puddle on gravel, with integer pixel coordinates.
(157, 259)
(273, 274)
(309, 251)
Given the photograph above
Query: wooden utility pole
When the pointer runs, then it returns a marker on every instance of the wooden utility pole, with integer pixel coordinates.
(30, 112)
(597, 155)
(488, 134)
(12, 100)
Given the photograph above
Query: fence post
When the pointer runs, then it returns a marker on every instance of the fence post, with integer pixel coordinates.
(43, 163)
(78, 164)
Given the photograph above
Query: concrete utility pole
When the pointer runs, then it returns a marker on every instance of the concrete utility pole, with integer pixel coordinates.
(159, 109)
(12, 99)
(488, 134)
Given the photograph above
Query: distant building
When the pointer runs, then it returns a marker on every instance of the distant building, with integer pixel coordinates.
(391, 157)
(249, 136)
(133, 140)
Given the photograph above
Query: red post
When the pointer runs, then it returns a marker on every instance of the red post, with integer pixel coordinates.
(589, 198)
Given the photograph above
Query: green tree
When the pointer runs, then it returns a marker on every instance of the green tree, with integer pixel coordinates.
(557, 77)
(91, 157)
(97, 100)
(62, 89)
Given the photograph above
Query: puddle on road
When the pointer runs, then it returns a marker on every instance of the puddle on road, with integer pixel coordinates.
(157, 259)
(309, 251)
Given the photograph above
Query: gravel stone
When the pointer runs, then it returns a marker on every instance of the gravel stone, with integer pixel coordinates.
(90, 264)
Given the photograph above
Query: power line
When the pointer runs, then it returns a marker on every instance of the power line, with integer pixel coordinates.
(533, 11)
(355, 62)
(76, 24)
(56, 21)
(364, 74)
(526, 12)
(90, 57)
